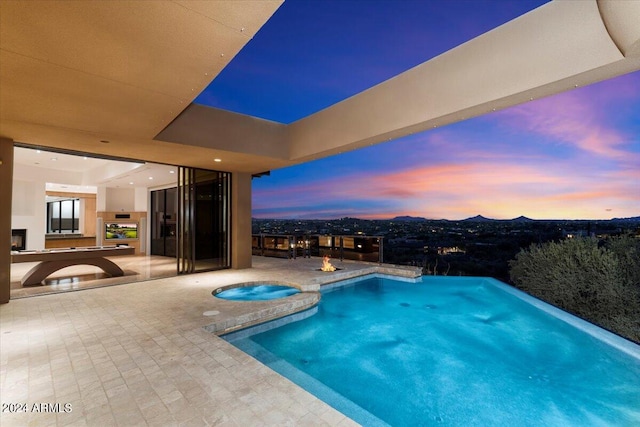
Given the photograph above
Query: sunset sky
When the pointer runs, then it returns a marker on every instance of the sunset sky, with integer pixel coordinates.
(575, 155)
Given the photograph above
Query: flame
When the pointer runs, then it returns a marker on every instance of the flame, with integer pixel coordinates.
(326, 265)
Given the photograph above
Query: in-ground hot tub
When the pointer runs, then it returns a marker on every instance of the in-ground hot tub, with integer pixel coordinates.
(255, 292)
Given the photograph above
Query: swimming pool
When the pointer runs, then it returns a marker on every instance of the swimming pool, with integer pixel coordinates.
(452, 351)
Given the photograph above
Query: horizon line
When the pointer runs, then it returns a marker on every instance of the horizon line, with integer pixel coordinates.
(400, 217)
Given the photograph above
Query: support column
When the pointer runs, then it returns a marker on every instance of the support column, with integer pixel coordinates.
(241, 220)
(6, 178)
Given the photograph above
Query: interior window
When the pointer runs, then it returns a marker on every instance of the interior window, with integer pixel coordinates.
(63, 216)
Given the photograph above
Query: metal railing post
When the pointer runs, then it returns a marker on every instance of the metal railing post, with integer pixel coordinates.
(261, 243)
(307, 247)
(292, 247)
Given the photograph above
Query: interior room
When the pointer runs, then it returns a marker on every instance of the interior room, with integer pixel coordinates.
(63, 200)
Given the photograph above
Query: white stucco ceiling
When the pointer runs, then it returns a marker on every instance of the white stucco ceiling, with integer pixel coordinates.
(70, 173)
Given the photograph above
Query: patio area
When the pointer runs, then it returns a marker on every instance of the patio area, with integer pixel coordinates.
(138, 353)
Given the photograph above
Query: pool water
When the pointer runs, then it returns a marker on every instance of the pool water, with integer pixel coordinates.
(452, 351)
(257, 293)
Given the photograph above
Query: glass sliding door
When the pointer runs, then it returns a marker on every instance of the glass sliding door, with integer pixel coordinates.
(203, 220)
(164, 216)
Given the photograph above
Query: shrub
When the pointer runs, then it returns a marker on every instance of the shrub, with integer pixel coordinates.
(627, 250)
(599, 283)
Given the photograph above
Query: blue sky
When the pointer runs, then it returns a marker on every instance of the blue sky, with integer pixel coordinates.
(575, 155)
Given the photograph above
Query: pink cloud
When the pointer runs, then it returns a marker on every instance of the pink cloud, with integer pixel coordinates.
(580, 118)
(498, 189)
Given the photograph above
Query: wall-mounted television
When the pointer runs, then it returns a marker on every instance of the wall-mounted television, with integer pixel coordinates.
(121, 230)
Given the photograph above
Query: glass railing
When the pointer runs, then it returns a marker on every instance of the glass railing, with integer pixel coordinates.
(274, 245)
(358, 247)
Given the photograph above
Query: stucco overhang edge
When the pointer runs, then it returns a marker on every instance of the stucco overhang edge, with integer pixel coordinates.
(622, 20)
(210, 127)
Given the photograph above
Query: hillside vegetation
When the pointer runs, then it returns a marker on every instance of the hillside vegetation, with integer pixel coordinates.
(596, 280)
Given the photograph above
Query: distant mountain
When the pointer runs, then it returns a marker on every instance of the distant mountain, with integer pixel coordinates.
(479, 218)
(632, 219)
(408, 218)
(522, 219)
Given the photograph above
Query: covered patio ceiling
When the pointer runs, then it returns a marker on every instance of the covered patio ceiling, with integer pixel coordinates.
(106, 77)
(111, 78)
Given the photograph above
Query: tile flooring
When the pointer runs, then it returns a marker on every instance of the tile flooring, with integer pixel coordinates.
(138, 354)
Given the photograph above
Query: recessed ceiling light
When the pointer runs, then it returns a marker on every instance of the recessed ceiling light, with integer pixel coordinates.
(131, 183)
(172, 171)
(217, 160)
(38, 151)
(54, 159)
(150, 177)
(85, 158)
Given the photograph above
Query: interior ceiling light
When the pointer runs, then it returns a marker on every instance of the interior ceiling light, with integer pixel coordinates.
(38, 151)
(84, 158)
(131, 183)
(172, 171)
(150, 177)
(54, 159)
(217, 160)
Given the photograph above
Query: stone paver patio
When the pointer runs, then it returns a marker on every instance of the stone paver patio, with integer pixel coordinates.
(139, 354)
